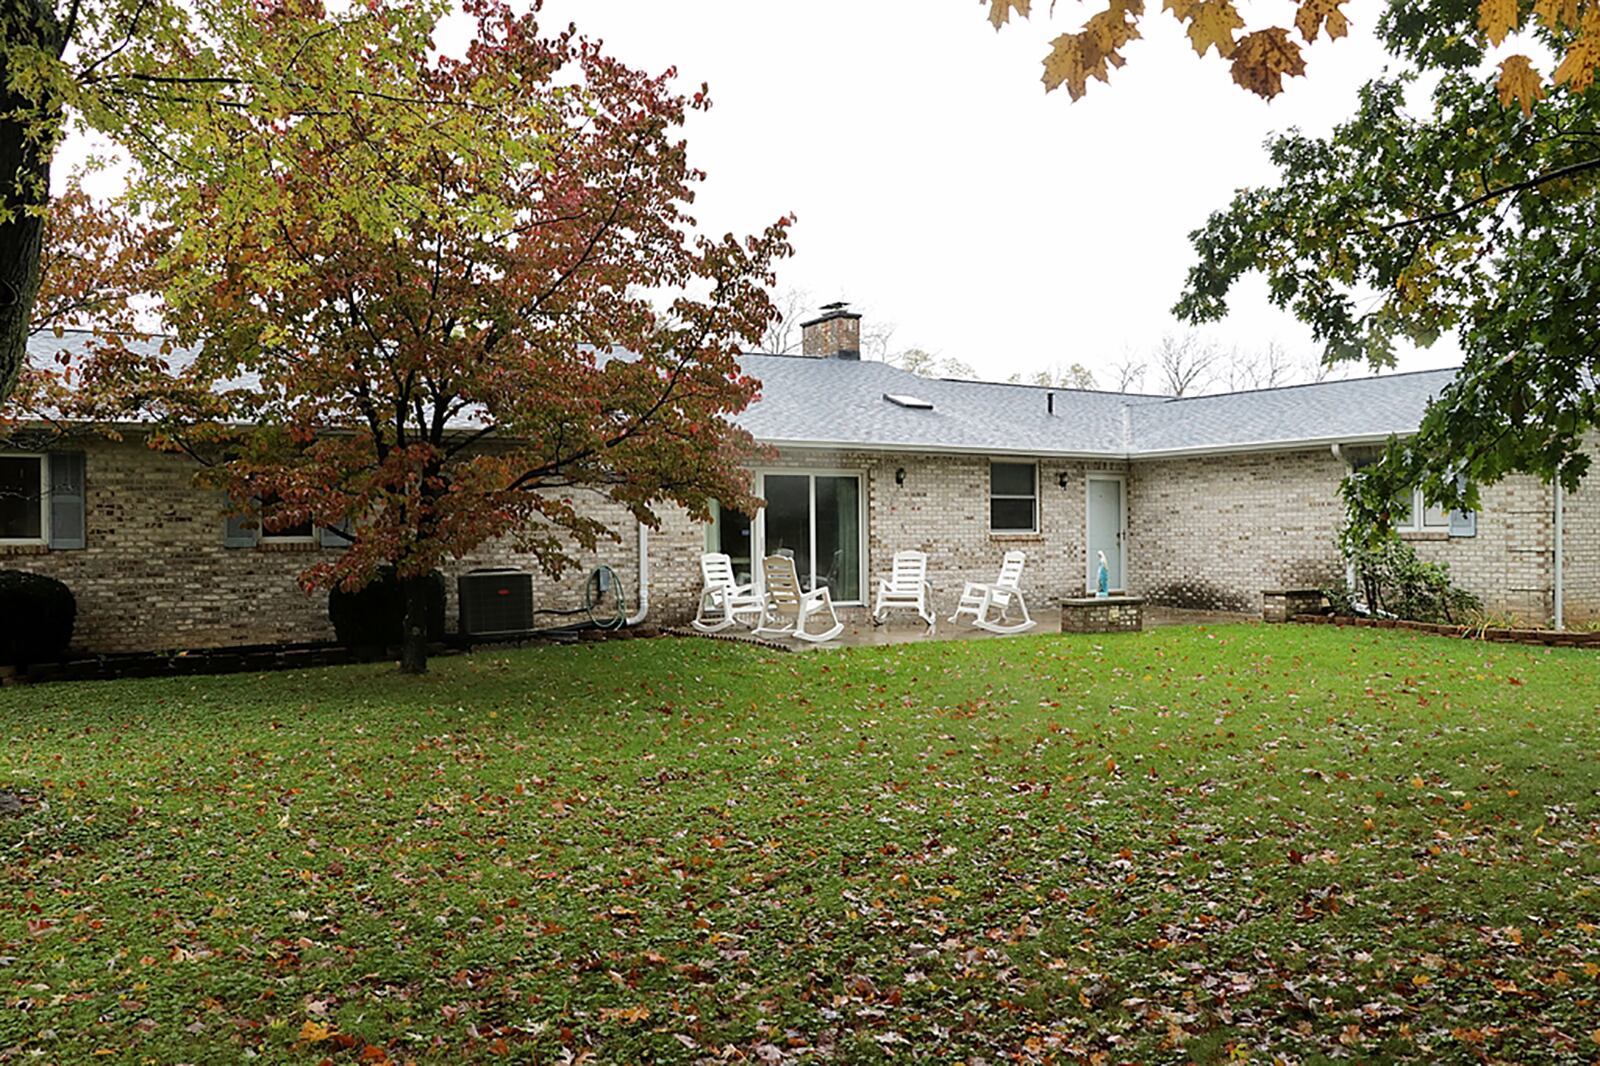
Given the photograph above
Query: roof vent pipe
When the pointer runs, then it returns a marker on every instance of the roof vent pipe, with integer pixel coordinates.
(1049, 403)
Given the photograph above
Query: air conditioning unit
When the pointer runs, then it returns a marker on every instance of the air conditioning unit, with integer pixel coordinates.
(495, 603)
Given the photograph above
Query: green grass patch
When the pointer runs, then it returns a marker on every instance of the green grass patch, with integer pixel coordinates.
(1241, 842)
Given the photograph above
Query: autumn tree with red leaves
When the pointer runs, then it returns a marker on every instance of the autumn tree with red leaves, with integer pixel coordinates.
(430, 313)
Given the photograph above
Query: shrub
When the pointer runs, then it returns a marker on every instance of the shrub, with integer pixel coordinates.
(36, 618)
(1394, 581)
(374, 616)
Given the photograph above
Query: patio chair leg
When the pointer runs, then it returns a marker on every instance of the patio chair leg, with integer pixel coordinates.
(706, 625)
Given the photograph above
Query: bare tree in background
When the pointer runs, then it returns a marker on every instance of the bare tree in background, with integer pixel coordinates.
(782, 335)
(1060, 376)
(1315, 369)
(931, 364)
(1127, 373)
(877, 341)
(1268, 368)
(1184, 364)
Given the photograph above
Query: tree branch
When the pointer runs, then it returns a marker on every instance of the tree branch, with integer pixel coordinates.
(1516, 186)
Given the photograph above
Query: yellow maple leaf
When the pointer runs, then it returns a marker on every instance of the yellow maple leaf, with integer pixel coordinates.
(1000, 10)
(1318, 14)
(315, 1032)
(626, 1015)
(1556, 14)
(1114, 27)
(1076, 57)
(1262, 58)
(1497, 18)
(1212, 24)
(1520, 82)
(1576, 71)
(1069, 64)
(1182, 10)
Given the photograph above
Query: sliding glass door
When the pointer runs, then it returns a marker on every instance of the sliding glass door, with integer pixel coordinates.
(729, 533)
(815, 518)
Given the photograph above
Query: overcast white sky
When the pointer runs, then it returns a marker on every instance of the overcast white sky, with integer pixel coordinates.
(941, 191)
(938, 188)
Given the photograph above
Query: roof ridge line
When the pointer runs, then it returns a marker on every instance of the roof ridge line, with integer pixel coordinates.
(1317, 384)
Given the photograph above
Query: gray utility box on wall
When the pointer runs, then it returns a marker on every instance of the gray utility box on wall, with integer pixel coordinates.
(495, 602)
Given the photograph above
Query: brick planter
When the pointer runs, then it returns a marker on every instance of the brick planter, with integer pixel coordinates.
(1280, 605)
(1103, 614)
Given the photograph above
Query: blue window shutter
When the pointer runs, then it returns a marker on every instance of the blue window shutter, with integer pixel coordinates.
(239, 531)
(68, 518)
(1463, 523)
(339, 536)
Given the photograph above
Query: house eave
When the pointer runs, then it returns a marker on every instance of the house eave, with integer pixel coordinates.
(934, 449)
(1294, 444)
(1283, 445)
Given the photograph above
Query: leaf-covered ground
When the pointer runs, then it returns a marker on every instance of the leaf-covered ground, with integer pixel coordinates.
(1256, 842)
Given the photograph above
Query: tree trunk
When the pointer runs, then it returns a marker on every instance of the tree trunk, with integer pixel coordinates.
(414, 638)
(28, 132)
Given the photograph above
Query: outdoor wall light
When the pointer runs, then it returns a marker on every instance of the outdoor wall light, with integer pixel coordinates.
(900, 476)
(1061, 479)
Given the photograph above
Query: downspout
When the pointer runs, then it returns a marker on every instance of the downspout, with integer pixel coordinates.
(1349, 567)
(644, 577)
(1561, 611)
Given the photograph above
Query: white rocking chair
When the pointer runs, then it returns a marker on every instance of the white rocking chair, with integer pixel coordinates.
(788, 607)
(979, 599)
(906, 587)
(724, 601)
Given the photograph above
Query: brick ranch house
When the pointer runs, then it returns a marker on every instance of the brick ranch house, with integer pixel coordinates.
(1197, 502)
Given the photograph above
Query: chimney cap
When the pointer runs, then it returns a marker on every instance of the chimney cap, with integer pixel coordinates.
(836, 309)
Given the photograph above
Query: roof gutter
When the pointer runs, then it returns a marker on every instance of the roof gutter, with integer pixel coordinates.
(1294, 444)
(935, 449)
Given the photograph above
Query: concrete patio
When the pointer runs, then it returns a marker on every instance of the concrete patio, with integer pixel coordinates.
(859, 632)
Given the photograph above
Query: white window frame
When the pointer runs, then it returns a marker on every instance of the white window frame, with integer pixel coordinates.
(1008, 496)
(44, 502)
(1418, 522)
(758, 522)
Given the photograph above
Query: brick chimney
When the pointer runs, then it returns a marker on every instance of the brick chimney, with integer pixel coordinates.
(834, 334)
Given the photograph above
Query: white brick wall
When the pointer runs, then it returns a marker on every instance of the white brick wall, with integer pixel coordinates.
(1215, 531)
(1581, 548)
(1211, 532)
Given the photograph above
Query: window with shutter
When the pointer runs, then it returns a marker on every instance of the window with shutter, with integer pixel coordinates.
(299, 533)
(23, 516)
(239, 531)
(68, 517)
(339, 536)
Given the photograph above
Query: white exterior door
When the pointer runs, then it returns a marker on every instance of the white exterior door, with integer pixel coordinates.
(1105, 530)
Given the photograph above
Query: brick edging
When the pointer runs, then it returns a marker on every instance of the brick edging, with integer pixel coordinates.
(732, 638)
(1546, 637)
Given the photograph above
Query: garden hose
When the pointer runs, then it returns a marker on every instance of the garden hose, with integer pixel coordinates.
(594, 589)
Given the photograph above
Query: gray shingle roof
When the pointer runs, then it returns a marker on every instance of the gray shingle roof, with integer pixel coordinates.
(1361, 408)
(841, 403)
(807, 401)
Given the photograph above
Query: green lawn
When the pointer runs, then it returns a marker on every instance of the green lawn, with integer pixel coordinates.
(1187, 844)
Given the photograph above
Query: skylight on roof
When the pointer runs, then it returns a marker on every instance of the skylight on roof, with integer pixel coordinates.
(901, 399)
